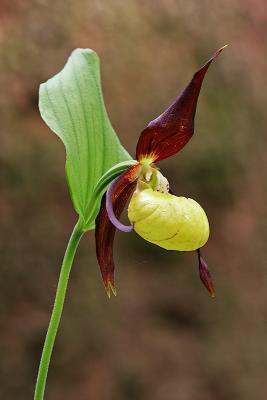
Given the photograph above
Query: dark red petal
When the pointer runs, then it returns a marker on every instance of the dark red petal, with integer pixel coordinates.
(169, 133)
(105, 230)
(205, 275)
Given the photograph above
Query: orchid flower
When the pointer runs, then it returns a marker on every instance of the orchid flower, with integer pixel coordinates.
(72, 105)
(174, 223)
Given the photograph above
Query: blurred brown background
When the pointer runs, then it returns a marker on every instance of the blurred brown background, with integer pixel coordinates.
(162, 338)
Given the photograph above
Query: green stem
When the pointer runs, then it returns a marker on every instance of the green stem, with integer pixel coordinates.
(57, 310)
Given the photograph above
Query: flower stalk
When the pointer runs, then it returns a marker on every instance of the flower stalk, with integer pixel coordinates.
(76, 235)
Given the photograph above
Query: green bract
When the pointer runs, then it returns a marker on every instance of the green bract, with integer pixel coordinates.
(174, 223)
(71, 104)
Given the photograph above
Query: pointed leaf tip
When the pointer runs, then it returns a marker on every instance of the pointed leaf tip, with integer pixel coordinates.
(169, 133)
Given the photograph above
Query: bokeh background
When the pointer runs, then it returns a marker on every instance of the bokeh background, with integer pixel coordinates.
(162, 338)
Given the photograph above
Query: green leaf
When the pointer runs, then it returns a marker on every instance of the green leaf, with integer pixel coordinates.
(71, 103)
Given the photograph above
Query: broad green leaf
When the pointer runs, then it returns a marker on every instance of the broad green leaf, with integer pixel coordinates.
(71, 104)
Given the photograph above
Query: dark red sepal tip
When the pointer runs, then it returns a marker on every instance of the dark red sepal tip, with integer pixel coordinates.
(205, 275)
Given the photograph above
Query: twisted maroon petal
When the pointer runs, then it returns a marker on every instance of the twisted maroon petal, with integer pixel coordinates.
(205, 275)
(169, 133)
(105, 230)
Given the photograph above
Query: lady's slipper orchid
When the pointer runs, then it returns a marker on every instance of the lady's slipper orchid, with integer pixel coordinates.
(174, 223)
